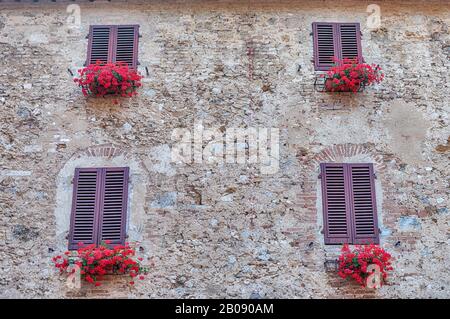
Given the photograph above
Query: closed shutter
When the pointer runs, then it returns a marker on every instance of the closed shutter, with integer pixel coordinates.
(349, 203)
(127, 45)
(363, 203)
(99, 206)
(114, 205)
(101, 39)
(339, 40)
(336, 209)
(113, 43)
(350, 41)
(325, 45)
(85, 207)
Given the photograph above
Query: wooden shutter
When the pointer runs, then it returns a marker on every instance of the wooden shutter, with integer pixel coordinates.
(114, 205)
(349, 203)
(340, 40)
(99, 206)
(336, 208)
(363, 204)
(113, 43)
(325, 45)
(349, 36)
(101, 39)
(126, 47)
(85, 206)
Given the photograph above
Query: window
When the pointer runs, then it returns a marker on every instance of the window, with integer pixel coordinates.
(340, 40)
(349, 204)
(113, 43)
(99, 206)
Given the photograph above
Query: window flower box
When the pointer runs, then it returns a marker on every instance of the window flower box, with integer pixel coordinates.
(102, 79)
(368, 265)
(94, 262)
(348, 75)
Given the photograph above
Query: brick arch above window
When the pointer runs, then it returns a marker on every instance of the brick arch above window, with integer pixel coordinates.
(103, 150)
(343, 153)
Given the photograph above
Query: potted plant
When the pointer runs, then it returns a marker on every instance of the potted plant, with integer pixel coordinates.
(93, 262)
(367, 264)
(349, 75)
(116, 79)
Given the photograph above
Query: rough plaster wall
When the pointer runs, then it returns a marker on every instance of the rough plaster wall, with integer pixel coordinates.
(228, 231)
(406, 129)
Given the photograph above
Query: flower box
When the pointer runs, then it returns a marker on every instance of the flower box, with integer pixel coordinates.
(93, 262)
(368, 265)
(329, 87)
(348, 75)
(102, 79)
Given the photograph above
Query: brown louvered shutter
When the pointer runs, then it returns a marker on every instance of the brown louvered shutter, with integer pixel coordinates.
(340, 40)
(363, 204)
(113, 43)
(336, 208)
(349, 41)
(99, 206)
(349, 203)
(126, 47)
(101, 42)
(325, 45)
(113, 212)
(85, 207)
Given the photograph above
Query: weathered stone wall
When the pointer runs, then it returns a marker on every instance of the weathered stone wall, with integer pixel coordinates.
(226, 230)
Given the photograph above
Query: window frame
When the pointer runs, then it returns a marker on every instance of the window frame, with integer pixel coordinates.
(112, 45)
(99, 205)
(337, 42)
(353, 237)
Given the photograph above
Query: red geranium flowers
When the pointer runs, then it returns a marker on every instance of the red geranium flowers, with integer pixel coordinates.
(115, 79)
(363, 263)
(97, 261)
(349, 76)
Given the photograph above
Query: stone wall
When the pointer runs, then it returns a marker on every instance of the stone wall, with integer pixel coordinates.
(225, 230)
